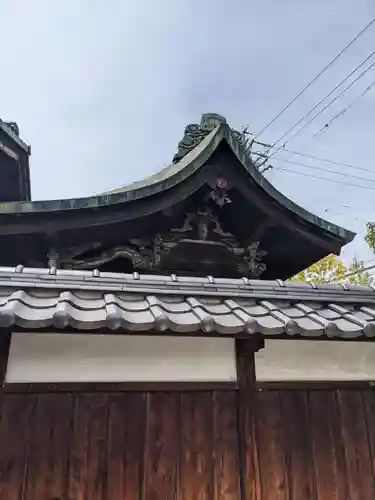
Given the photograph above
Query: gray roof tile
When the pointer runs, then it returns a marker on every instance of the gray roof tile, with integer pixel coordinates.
(87, 300)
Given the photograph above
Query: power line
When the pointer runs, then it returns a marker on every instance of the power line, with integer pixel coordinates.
(360, 270)
(335, 181)
(317, 76)
(324, 98)
(319, 158)
(357, 271)
(364, 262)
(344, 110)
(301, 129)
(322, 169)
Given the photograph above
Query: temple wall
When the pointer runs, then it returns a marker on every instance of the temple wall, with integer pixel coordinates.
(323, 361)
(287, 441)
(102, 358)
(36, 357)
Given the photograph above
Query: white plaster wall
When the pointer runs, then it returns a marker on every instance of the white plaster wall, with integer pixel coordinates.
(299, 360)
(36, 357)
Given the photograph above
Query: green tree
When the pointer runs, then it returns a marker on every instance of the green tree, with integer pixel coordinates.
(331, 269)
(370, 235)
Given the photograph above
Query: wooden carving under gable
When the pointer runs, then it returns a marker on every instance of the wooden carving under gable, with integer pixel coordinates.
(200, 239)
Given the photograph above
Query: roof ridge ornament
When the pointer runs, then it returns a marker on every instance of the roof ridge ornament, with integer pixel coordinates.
(194, 134)
(13, 127)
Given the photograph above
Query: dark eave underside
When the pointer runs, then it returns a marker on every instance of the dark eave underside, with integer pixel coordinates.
(164, 180)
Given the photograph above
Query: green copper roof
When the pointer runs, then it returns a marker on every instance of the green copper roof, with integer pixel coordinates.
(197, 146)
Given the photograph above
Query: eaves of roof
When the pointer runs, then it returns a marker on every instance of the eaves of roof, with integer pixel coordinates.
(8, 130)
(53, 299)
(173, 175)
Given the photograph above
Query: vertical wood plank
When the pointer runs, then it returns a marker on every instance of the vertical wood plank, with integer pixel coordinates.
(49, 447)
(78, 464)
(247, 408)
(15, 423)
(5, 339)
(88, 449)
(369, 402)
(161, 447)
(196, 450)
(328, 451)
(97, 447)
(295, 417)
(125, 444)
(356, 445)
(227, 466)
(271, 437)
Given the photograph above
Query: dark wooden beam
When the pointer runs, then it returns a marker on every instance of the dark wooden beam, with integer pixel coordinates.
(249, 470)
(307, 385)
(106, 387)
(258, 233)
(5, 336)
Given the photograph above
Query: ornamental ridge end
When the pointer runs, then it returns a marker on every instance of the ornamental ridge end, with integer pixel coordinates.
(195, 133)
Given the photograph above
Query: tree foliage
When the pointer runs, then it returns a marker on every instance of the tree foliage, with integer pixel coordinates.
(331, 269)
(370, 235)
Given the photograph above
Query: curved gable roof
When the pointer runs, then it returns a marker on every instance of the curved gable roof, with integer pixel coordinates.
(197, 146)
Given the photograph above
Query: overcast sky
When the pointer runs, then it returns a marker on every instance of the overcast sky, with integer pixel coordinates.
(102, 90)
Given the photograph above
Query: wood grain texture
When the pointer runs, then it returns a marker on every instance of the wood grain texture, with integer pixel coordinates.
(328, 447)
(48, 448)
(161, 447)
(196, 451)
(356, 445)
(311, 445)
(133, 446)
(249, 470)
(316, 444)
(369, 406)
(272, 448)
(298, 441)
(126, 414)
(226, 447)
(15, 435)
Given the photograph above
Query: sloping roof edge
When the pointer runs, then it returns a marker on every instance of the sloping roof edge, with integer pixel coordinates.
(176, 173)
(11, 129)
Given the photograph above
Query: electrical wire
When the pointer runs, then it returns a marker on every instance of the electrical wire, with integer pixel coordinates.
(317, 77)
(335, 181)
(323, 99)
(357, 271)
(322, 169)
(360, 270)
(301, 129)
(343, 111)
(318, 158)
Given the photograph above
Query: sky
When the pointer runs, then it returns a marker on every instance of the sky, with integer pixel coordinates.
(103, 91)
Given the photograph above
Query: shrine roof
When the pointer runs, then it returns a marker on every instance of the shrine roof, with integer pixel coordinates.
(199, 143)
(11, 129)
(52, 299)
